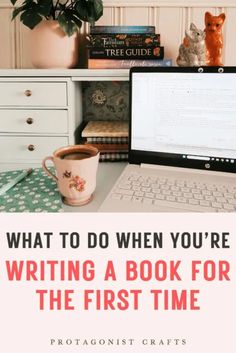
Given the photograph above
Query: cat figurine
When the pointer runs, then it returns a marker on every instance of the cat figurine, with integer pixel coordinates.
(214, 38)
(192, 50)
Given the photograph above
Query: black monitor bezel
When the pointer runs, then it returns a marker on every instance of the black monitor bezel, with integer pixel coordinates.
(176, 160)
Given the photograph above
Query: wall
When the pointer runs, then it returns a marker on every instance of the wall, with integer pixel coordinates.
(170, 17)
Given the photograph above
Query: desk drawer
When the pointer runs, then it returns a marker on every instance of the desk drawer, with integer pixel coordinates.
(34, 121)
(43, 94)
(23, 148)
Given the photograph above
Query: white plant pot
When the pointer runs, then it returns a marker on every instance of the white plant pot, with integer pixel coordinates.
(51, 48)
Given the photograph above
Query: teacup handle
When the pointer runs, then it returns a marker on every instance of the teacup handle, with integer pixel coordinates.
(49, 158)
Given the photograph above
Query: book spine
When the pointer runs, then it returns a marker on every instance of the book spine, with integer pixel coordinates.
(111, 148)
(107, 140)
(122, 29)
(124, 40)
(113, 157)
(127, 53)
(126, 64)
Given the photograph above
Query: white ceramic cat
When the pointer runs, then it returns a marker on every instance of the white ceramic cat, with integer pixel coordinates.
(192, 50)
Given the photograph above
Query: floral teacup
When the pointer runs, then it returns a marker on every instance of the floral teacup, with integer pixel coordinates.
(76, 170)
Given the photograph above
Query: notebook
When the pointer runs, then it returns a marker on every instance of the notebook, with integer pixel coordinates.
(182, 151)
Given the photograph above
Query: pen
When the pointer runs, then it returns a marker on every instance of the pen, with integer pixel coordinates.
(14, 181)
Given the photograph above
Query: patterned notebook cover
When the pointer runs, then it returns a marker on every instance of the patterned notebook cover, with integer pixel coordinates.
(106, 129)
(36, 193)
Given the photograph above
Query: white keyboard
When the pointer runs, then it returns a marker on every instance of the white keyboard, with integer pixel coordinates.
(177, 193)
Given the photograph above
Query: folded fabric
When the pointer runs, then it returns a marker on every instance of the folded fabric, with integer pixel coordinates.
(36, 193)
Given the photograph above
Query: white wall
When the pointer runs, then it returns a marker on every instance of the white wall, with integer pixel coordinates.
(170, 17)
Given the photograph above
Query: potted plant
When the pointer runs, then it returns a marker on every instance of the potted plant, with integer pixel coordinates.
(54, 25)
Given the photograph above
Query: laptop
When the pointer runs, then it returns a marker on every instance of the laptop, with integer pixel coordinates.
(182, 148)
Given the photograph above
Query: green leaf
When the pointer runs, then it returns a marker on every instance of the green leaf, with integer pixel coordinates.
(44, 7)
(89, 10)
(13, 2)
(33, 12)
(77, 21)
(17, 11)
(67, 23)
(98, 9)
(30, 16)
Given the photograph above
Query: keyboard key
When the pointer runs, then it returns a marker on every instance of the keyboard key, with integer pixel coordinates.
(205, 203)
(228, 206)
(155, 186)
(162, 182)
(201, 186)
(190, 184)
(221, 188)
(124, 192)
(209, 198)
(136, 188)
(198, 197)
(166, 192)
(160, 197)
(126, 197)
(211, 188)
(170, 182)
(177, 193)
(221, 199)
(228, 195)
(217, 193)
(206, 192)
(180, 183)
(195, 191)
(156, 191)
(152, 178)
(149, 194)
(146, 189)
(232, 201)
(182, 206)
(138, 193)
(170, 198)
(216, 205)
(147, 201)
(165, 187)
(182, 199)
(136, 183)
(137, 199)
(124, 186)
(174, 188)
(193, 202)
(188, 195)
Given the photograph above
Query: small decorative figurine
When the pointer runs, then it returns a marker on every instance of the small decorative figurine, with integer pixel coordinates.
(214, 39)
(192, 50)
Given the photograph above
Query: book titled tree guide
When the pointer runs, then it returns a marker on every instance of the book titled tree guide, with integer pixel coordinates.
(155, 52)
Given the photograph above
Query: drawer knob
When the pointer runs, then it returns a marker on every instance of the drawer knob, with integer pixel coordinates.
(28, 93)
(29, 121)
(31, 148)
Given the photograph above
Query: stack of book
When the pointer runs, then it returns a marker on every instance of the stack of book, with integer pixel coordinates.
(109, 137)
(114, 47)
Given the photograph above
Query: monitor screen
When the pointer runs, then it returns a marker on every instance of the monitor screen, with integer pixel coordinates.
(189, 114)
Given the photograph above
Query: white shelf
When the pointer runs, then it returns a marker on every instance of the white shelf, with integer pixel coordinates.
(74, 74)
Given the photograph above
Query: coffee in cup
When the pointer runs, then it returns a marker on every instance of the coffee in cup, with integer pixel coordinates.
(76, 170)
